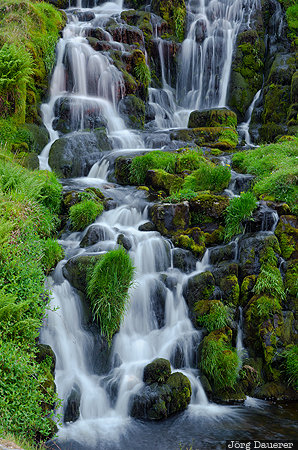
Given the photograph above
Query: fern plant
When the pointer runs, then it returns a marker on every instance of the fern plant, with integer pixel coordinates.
(15, 67)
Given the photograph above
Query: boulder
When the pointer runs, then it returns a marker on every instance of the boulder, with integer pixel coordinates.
(287, 233)
(73, 156)
(158, 371)
(222, 253)
(169, 217)
(124, 241)
(224, 138)
(159, 179)
(38, 137)
(76, 269)
(72, 409)
(122, 169)
(93, 234)
(127, 34)
(216, 117)
(132, 110)
(45, 351)
(184, 260)
(148, 226)
(198, 287)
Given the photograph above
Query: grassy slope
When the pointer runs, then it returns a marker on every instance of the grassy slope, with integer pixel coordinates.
(29, 203)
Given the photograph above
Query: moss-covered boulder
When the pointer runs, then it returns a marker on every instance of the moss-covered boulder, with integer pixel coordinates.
(169, 218)
(287, 234)
(206, 208)
(122, 169)
(77, 268)
(159, 400)
(246, 75)
(230, 289)
(224, 138)
(193, 239)
(159, 179)
(222, 253)
(198, 287)
(132, 110)
(37, 137)
(275, 391)
(246, 291)
(158, 371)
(174, 13)
(216, 117)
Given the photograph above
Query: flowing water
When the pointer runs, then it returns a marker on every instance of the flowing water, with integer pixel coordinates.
(157, 322)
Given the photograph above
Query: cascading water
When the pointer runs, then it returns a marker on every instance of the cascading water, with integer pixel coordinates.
(157, 322)
(205, 61)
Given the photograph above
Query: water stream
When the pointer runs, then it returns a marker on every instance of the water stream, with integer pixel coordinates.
(157, 322)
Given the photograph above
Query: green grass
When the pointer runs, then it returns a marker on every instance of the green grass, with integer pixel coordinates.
(52, 254)
(270, 282)
(152, 160)
(216, 318)
(208, 177)
(239, 208)
(84, 213)
(219, 362)
(276, 170)
(107, 289)
(290, 365)
(189, 159)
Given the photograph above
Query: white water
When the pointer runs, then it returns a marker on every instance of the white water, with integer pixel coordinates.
(243, 128)
(205, 61)
(88, 80)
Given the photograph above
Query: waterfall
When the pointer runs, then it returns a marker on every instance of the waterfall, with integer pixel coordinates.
(88, 86)
(243, 128)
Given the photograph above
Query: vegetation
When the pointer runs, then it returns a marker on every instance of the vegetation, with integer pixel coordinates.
(219, 361)
(276, 170)
(107, 289)
(152, 160)
(290, 355)
(213, 178)
(239, 208)
(84, 213)
(216, 318)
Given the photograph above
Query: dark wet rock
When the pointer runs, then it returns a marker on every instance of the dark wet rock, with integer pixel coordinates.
(206, 206)
(76, 268)
(124, 241)
(39, 137)
(184, 260)
(287, 233)
(275, 391)
(72, 115)
(73, 156)
(158, 294)
(241, 183)
(45, 351)
(216, 117)
(96, 33)
(246, 291)
(85, 16)
(72, 410)
(249, 252)
(148, 226)
(198, 287)
(132, 110)
(94, 234)
(224, 269)
(170, 217)
(122, 169)
(158, 401)
(222, 253)
(127, 34)
(158, 371)
(262, 219)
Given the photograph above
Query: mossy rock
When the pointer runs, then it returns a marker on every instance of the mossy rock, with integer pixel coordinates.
(193, 240)
(158, 371)
(122, 169)
(230, 289)
(174, 13)
(246, 291)
(249, 378)
(180, 392)
(230, 396)
(44, 351)
(287, 233)
(206, 207)
(222, 253)
(282, 70)
(291, 279)
(294, 88)
(31, 161)
(275, 391)
(269, 132)
(159, 179)
(224, 138)
(61, 4)
(216, 117)
(76, 270)
(198, 287)
(38, 137)
(276, 104)
(169, 218)
(132, 110)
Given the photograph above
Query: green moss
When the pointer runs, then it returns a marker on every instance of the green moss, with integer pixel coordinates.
(291, 279)
(152, 160)
(53, 253)
(216, 117)
(239, 208)
(180, 391)
(246, 291)
(174, 13)
(290, 365)
(161, 180)
(215, 178)
(230, 289)
(287, 235)
(158, 371)
(187, 242)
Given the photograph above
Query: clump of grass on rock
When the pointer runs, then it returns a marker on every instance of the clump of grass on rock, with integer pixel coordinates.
(107, 289)
(84, 213)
